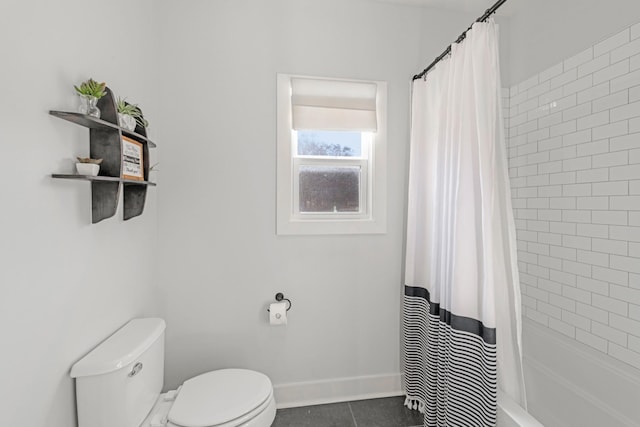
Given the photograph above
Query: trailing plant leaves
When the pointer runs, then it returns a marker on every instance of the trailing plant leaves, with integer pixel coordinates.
(133, 110)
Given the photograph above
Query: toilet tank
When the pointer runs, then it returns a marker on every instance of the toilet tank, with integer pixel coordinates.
(119, 381)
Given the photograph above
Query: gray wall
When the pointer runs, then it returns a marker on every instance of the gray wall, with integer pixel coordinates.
(65, 284)
(221, 261)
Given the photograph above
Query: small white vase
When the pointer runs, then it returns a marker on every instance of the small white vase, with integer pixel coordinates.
(87, 169)
(127, 122)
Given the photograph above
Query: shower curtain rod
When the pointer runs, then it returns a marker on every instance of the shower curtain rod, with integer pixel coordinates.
(483, 18)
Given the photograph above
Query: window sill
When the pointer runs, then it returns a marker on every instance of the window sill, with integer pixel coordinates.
(331, 227)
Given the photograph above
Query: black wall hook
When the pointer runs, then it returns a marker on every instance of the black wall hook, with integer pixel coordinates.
(280, 297)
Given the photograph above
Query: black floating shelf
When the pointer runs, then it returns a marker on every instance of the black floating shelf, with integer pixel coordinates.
(105, 142)
(94, 123)
(101, 178)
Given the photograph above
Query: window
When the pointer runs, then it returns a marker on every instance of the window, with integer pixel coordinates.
(331, 156)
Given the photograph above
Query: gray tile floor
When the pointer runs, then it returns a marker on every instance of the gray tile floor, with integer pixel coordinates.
(386, 412)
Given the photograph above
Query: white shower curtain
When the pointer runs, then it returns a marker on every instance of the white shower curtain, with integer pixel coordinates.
(462, 298)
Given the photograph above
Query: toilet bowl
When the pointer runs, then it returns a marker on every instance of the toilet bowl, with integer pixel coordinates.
(119, 383)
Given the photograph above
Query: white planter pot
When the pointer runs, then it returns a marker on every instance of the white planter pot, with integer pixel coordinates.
(88, 169)
(126, 121)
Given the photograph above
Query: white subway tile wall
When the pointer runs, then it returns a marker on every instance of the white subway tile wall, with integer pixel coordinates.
(573, 138)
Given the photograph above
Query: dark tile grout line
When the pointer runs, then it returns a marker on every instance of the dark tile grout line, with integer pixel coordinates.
(353, 417)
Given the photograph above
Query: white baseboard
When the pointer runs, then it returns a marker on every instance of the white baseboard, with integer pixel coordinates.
(571, 385)
(337, 390)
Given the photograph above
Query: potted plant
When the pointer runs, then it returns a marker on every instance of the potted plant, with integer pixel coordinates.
(129, 115)
(87, 166)
(90, 91)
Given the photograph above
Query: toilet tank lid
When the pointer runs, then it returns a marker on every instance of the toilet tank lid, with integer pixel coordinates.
(121, 348)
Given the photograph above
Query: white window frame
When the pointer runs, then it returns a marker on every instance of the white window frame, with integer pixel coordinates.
(372, 218)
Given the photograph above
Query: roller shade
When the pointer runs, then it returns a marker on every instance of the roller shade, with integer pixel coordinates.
(333, 105)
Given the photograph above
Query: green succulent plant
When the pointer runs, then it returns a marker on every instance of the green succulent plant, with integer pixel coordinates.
(133, 110)
(92, 88)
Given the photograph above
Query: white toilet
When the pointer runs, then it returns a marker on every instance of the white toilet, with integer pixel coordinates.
(118, 384)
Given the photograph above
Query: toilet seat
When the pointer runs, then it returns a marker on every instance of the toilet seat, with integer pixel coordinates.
(224, 398)
(262, 416)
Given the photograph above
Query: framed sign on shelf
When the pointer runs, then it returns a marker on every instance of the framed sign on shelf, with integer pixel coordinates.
(132, 159)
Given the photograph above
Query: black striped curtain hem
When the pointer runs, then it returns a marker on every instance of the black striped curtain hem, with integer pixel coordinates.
(450, 364)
